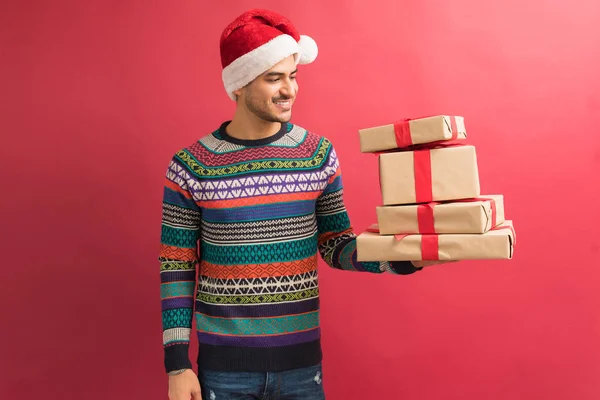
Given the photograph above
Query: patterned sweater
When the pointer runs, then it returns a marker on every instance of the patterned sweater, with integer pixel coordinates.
(243, 223)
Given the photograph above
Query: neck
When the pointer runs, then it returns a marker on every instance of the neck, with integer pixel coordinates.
(246, 125)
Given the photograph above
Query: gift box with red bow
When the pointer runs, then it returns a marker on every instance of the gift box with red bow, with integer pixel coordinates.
(498, 243)
(409, 131)
(447, 171)
(432, 207)
(477, 215)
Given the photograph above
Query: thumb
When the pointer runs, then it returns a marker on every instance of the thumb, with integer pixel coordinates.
(196, 394)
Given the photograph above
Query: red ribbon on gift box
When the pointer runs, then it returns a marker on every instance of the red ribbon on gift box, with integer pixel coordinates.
(402, 131)
(430, 242)
(423, 179)
(373, 229)
(425, 213)
(422, 169)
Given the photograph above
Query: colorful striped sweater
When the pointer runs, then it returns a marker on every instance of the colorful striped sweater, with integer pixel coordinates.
(243, 223)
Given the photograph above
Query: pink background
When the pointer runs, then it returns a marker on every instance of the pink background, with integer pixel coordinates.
(97, 96)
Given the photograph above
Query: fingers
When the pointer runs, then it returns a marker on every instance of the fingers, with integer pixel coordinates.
(184, 387)
(197, 395)
(196, 392)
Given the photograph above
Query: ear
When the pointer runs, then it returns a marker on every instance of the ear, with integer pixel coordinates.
(238, 93)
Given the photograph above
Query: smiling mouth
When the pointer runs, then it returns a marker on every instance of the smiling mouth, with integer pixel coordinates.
(283, 103)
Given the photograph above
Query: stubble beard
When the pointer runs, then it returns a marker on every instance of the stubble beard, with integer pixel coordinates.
(264, 113)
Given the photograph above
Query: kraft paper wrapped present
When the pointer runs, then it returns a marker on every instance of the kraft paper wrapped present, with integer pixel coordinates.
(446, 172)
(410, 132)
(497, 243)
(477, 215)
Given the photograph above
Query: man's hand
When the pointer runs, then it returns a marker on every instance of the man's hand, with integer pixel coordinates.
(421, 264)
(184, 386)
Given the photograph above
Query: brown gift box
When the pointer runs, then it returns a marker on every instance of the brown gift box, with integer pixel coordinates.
(412, 132)
(423, 176)
(471, 216)
(495, 244)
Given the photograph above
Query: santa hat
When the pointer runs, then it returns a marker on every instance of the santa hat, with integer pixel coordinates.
(256, 41)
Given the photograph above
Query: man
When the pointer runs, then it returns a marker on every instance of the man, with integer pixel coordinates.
(252, 205)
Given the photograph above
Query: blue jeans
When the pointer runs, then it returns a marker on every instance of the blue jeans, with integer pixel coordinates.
(301, 384)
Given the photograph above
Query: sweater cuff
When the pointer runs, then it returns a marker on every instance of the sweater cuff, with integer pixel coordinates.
(177, 357)
(402, 267)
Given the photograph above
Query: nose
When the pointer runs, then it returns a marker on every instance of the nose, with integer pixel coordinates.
(288, 89)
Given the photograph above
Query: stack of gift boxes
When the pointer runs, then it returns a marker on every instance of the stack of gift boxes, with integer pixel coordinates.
(432, 206)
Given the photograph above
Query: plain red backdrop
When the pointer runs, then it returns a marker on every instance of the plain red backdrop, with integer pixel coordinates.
(97, 95)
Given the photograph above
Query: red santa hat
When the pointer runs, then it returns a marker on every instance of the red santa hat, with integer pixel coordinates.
(256, 41)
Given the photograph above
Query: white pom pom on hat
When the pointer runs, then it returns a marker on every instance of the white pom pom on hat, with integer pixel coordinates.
(308, 49)
(257, 40)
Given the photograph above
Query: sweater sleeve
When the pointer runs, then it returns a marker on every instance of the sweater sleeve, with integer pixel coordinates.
(337, 240)
(178, 257)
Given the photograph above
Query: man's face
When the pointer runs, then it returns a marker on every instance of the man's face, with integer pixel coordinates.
(271, 95)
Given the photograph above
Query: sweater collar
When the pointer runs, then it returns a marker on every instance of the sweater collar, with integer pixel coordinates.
(252, 142)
